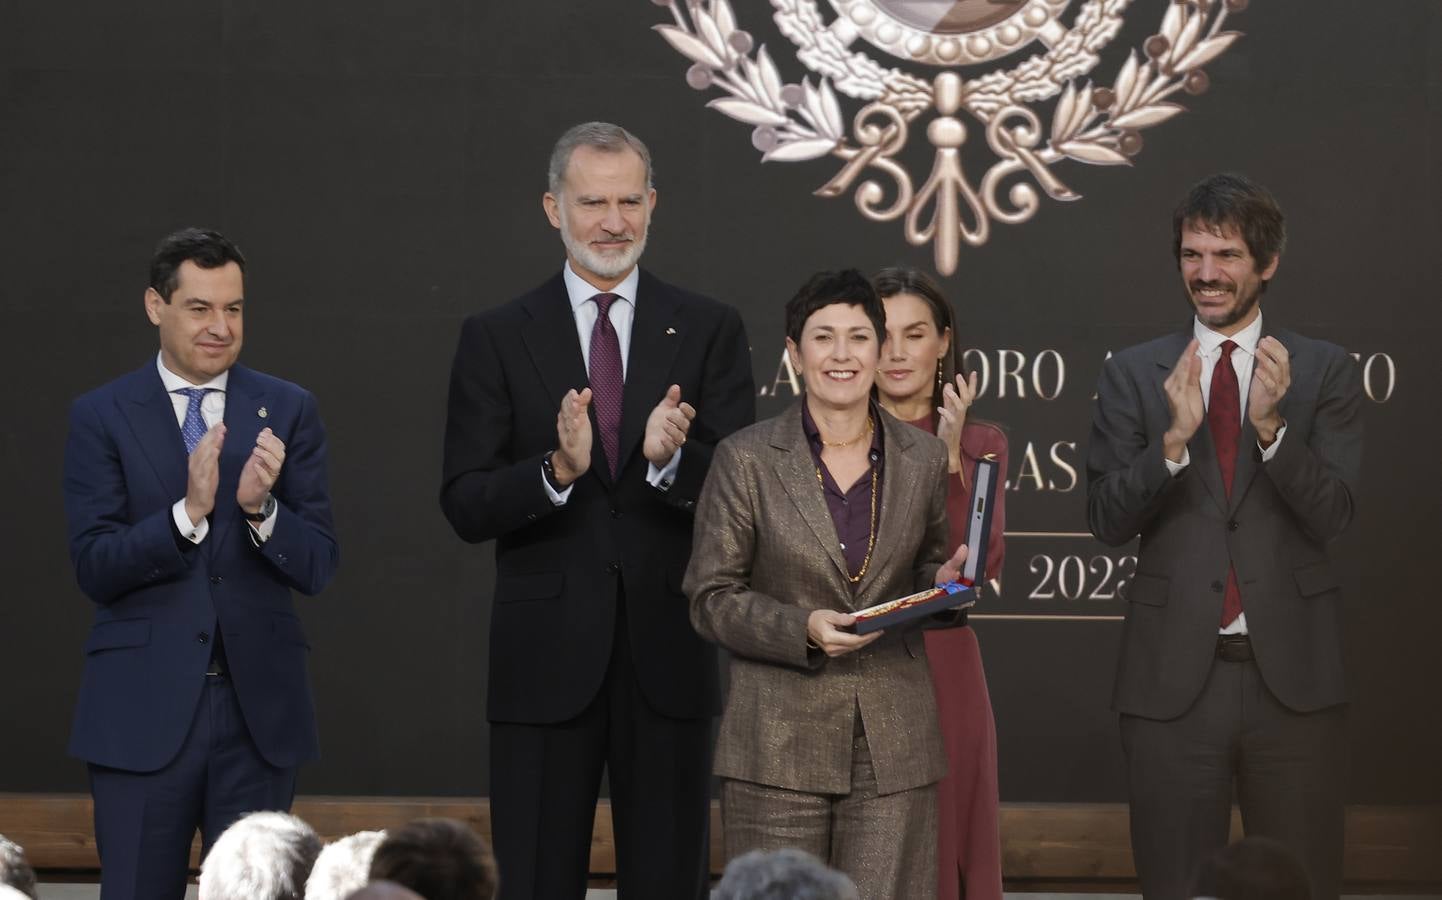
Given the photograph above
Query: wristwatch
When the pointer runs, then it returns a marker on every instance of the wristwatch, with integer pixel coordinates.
(548, 469)
(267, 507)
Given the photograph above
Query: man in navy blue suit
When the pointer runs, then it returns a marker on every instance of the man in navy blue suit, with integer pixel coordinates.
(196, 496)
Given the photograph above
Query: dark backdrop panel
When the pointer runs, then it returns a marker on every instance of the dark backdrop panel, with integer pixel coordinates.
(382, 165)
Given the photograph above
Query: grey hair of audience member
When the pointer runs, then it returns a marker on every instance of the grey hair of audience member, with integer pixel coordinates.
(15, 871)
(1253, 868)
(264, 856)
(343, 866)
(385, 890)
(782, 875)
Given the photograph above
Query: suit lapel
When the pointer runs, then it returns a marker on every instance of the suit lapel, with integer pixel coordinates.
(1201, 449)
(244, 398)
(900, 483)
(555, 349)
(656, 335)
(797, 472)
(151, 415)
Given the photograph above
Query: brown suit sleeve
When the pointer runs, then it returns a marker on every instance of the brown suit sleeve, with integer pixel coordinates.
(724, 608)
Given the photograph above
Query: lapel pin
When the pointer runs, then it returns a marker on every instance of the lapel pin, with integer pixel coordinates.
(670, 331)
(262, 412)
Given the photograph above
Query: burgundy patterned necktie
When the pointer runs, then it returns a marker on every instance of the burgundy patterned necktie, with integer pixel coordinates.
(606, 378)
(1224, 418)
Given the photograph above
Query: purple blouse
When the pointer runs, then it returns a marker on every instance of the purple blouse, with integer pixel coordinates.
(850, 510)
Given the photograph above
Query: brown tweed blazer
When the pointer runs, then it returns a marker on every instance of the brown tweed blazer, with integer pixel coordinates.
(765, 555)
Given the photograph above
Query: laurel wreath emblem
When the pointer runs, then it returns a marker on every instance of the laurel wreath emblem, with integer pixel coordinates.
(1090, 123)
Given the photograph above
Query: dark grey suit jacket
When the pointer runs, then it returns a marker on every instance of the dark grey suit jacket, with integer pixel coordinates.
(1274, 528)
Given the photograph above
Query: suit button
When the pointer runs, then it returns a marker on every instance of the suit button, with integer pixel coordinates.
(1232, 525)
(613, 568)
(202, 638)
(1218, 586)
(615, 514)
(281, 558)
(216, 579)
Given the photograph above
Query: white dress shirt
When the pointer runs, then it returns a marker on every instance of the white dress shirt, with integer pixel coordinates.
(1244, 357)
(622, 313)
(212, 410)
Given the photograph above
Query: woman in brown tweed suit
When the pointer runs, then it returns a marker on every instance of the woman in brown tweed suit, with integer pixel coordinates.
(829, 741)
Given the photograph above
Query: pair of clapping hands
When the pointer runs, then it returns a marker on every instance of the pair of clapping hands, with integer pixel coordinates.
(666, 429)
(256, 478)
(1271, 377)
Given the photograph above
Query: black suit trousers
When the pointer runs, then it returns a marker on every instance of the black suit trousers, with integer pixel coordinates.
(1287, 770)
(545, 780)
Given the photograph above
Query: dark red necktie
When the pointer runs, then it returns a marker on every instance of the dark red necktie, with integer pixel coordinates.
(1224, 418)
(607, 380)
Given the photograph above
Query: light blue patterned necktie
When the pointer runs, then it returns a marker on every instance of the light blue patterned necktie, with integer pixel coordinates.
(193, 428)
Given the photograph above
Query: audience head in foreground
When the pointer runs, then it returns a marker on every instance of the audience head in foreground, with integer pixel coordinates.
(384, 890)
(782, 875)
(1254, 868)
(440, 859)
(343, 866)
(264, 856)
(15, 871)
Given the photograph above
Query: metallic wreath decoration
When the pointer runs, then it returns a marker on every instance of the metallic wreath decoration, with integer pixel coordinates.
(1090, 123)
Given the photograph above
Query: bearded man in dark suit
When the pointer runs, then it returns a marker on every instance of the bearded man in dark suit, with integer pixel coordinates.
(581, 423)
(1233, 448)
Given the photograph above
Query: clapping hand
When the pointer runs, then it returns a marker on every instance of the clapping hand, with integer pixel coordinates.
(666, 427)
(260, 472)
(1184, 398)
(573, 435)
(955, 401)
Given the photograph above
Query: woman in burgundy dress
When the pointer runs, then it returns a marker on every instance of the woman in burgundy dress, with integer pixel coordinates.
(920, 381)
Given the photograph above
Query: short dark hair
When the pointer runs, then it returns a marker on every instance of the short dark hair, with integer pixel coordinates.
(1253, 868)
(206, 248)
(1231, 202)
(848, 287)
(440, 859)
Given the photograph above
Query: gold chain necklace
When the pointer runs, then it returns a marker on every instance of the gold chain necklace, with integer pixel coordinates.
(865, 432)
(871, 535)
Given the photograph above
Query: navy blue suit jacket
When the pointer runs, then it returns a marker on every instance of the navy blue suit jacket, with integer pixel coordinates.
(158, 607)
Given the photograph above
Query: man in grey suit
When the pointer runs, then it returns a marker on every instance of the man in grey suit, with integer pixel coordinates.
(1233, 449)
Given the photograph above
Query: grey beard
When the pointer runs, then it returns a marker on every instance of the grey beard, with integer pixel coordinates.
(607, 266)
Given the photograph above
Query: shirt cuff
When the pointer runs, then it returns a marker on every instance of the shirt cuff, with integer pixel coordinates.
(1175, 468)
(558, 498)
(661, 479)
(191, 532)
(261, 531)
(1269, 452)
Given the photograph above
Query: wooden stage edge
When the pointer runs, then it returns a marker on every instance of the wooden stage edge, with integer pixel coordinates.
(1045, 846)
